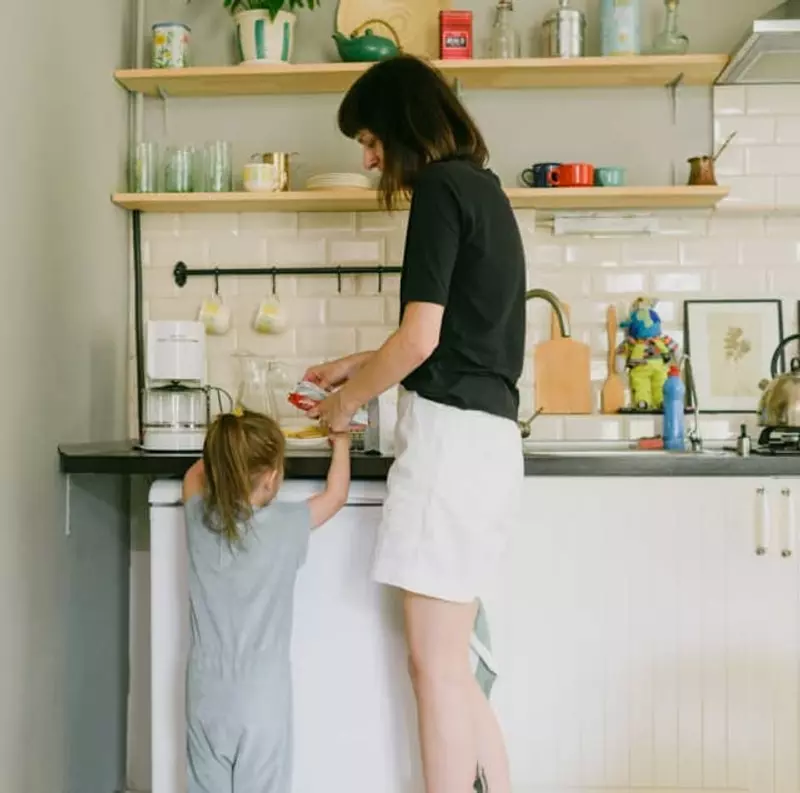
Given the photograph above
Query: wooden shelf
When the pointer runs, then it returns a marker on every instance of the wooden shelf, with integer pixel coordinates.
(323, 78)
(553, 200)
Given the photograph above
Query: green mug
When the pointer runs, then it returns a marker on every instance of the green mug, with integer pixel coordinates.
(609, 177)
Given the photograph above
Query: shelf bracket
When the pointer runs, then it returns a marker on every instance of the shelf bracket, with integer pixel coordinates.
(457, 88)
(672, 87)
(163, 95)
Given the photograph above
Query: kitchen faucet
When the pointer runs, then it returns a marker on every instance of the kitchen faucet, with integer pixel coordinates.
(695, 441)
(563, 325)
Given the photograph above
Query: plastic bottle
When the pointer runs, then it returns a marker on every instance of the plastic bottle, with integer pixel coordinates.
(674, 401)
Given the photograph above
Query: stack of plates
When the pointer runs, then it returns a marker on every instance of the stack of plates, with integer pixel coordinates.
(339, 181)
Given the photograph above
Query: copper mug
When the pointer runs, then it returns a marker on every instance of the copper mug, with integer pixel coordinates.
(701, 171)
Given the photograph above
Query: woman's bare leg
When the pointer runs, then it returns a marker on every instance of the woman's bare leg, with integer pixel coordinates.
(458, 730)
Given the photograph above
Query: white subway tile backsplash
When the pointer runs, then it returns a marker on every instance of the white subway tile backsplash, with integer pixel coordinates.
(239, 250)
(773, 160)
(788, 191)
(357, 252)
(329, 343)
(291, 252)
(773, 100)
(316, 223)
(750, 191)
(729, 100)
(752, 130)
(356, 311)
(678, 282)
(787, 129)
(768, 252)
(737, 251)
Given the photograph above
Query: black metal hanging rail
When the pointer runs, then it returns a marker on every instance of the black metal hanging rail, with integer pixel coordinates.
(181, 273)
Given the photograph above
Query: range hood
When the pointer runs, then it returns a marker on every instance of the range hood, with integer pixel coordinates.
(770, 51)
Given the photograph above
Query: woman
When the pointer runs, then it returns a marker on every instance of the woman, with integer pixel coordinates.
(458, 353)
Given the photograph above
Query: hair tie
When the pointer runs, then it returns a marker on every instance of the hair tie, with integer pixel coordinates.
(238, 412)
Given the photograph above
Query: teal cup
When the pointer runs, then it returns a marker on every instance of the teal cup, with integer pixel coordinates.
(609, 177)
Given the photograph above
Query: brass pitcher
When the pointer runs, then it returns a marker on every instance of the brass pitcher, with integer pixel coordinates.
(702, 171)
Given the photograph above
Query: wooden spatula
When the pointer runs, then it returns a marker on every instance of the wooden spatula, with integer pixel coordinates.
(612, 397)
(563, 373)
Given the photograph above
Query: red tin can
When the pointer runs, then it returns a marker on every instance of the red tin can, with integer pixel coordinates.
(455, 29)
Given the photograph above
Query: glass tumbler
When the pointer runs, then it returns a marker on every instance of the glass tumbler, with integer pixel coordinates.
(144, 168)
(217, 167)
(179, 170)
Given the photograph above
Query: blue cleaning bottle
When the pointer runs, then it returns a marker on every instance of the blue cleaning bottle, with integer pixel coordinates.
(674, 401)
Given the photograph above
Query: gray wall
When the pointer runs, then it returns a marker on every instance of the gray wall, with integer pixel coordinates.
(63, 326)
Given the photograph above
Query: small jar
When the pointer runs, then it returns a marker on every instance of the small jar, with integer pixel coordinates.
(170, 45)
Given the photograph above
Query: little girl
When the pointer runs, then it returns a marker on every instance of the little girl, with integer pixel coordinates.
(245, 550)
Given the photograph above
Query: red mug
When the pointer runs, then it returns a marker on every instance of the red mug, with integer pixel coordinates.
(571, 174)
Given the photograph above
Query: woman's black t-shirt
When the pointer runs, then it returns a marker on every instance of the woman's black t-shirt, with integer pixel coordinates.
(464, 252)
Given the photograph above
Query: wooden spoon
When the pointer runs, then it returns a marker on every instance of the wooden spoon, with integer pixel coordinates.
(612, 397)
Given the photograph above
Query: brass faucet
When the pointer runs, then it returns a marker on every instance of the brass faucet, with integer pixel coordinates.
(543, 294)
(563, 325)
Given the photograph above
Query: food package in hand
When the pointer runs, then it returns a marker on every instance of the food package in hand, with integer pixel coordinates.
(308, 395)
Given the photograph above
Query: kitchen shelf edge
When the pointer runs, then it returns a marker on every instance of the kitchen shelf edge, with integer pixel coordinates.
(319, 78)
(564, 199)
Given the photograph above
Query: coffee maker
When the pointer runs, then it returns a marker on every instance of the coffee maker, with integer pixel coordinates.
(176, 404)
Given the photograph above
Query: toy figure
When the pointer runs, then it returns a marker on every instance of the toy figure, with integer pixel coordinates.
(648, 353)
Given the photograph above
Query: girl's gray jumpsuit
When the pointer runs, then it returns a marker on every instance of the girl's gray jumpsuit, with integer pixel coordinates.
(238, 678)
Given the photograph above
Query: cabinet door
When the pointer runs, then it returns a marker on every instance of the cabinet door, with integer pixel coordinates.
(355, 720)
(633, 633)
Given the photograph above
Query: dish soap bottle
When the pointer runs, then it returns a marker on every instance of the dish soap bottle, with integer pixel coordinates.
(504, 41)
(670, 41)
(620, 27)
(674, 402)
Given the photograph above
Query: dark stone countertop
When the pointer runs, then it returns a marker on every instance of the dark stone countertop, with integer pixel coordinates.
(122, 458)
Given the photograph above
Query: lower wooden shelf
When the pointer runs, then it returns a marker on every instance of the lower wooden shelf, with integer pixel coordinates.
(547, 199)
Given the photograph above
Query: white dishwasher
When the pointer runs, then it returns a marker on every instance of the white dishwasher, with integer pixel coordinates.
(355, 727)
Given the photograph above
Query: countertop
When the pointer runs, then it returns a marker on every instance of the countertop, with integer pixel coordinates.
(123, 458)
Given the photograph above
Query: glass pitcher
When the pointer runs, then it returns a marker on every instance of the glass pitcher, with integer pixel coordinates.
(264, 386)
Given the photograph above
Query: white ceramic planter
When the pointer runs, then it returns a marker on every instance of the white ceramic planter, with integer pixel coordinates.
(262, 40)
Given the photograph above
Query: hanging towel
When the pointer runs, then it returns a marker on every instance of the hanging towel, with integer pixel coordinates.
(480, 651)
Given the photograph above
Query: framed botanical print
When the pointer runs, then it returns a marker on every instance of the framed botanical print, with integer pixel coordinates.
(731, 344)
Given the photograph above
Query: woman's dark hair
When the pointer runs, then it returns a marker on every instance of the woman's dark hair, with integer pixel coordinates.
(418, 118)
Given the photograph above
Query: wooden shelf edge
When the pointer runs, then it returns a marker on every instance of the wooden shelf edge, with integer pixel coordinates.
(565, 199)
(640, 70)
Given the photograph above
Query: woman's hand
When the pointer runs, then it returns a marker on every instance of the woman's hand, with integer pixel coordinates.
(334, 373)
(333, 413)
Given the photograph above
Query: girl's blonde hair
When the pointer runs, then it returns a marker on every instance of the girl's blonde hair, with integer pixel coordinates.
(238, 449)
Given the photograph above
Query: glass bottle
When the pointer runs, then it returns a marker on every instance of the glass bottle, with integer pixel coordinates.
(670, 41)
(504, 41)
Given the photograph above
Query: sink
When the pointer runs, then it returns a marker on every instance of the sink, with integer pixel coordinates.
(606, 449)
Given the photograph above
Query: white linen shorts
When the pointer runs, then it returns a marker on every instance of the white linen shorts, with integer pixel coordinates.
(453, 499)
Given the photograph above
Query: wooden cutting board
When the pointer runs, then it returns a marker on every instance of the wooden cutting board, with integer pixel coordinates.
(612, 397)
(563, 371)
(416, 22)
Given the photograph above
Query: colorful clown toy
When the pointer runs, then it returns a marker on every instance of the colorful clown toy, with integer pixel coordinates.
(648, 353)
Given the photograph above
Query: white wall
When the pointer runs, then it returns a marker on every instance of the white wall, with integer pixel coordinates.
(63, 335)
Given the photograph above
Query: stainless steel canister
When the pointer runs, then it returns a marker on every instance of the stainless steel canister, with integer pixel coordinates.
(564, 32)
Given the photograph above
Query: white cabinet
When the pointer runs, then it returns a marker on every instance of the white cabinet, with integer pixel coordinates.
(645, 643)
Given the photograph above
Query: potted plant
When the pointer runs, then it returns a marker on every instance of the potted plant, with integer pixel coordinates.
(265, 28)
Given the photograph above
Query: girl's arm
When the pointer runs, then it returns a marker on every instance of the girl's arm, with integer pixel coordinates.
(194, 481)
(326, 504)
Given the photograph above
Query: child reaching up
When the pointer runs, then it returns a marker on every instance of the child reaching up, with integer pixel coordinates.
(245, 549)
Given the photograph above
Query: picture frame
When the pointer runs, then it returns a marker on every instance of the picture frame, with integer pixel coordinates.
(731, 344)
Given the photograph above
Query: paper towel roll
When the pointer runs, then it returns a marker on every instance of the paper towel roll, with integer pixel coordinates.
(169, 631)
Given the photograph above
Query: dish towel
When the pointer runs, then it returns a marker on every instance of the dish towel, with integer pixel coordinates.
(480, 651)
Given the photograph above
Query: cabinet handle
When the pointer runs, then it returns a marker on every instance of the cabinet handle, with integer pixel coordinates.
(787, 545)
(762, 522)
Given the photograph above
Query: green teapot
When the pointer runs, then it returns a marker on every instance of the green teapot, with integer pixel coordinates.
(367, 47)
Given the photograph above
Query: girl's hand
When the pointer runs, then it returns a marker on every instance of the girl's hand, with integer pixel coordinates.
(333, 414)
(339, 440)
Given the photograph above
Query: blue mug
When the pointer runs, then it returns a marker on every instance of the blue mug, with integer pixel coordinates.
(536, 175)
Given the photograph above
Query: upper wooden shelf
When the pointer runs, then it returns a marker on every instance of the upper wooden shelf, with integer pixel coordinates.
(324, 78)
(563, 199)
